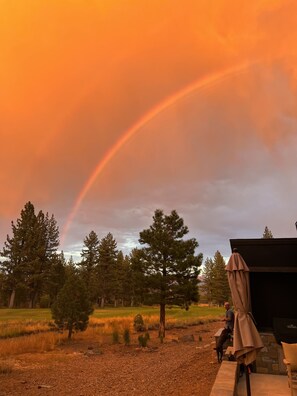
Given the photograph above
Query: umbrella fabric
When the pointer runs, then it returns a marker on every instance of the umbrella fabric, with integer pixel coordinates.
(246, 339)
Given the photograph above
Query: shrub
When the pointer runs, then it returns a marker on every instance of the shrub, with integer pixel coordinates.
(138, 323)
(126, 337)
(143, 339)
(72, 307)
(115, 336)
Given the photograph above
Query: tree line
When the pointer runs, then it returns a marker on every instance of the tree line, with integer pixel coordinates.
(214, 284)
(164, 270)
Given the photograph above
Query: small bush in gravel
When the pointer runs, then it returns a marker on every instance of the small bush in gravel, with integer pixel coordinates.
(126, 337)
(138, 323)
(115, 336)
(143, 340)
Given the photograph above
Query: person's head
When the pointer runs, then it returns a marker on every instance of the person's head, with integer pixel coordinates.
(227, 305)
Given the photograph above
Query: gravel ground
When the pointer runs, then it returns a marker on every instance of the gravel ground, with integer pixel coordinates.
(185, 364)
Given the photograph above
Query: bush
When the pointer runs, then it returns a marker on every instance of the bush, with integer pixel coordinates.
(115, 336)
(72, 307)
(138, 323)
(126, 337)
(143, 340)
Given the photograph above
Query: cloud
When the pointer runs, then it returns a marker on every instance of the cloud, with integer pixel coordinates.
(76, 76)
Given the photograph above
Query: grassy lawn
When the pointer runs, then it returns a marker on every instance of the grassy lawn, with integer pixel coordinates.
(195, 312)
(7, 315)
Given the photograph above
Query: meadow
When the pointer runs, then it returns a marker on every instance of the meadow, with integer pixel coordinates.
(31, 330)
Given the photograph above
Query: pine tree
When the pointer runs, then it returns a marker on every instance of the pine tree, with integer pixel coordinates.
(171, 266)
(57, 277)
(137, 290)
(72, 307)
(122, 281)
(46, 239)
(207, 283)
(221, 290)
(267, 234)
(29, 253)
(89, 263)
(107, 268)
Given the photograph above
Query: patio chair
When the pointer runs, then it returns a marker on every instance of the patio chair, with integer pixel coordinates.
(290, 360)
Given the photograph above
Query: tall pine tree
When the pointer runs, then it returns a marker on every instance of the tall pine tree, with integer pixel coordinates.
(89, 264)
(207, 282)
(221, 290)
(171, 265)
(138, 291)
(107, 267)
(29, 253)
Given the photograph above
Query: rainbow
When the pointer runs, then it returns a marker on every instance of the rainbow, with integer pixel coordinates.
(202, 83)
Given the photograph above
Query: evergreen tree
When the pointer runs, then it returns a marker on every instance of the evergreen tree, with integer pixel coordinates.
(122, 281)
(171, 266)
(4, 292)
(72, 307)
(221, 290)
(89, 263)
(207, 283)
(267, 234)
(138, 292)
(107, 269)
(46, 239)
(29, 253)
(71, 268)
(57, 277)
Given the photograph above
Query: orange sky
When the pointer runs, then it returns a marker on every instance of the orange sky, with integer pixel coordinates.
(75, 76)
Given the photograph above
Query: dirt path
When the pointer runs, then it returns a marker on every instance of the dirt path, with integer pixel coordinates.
(176, 367)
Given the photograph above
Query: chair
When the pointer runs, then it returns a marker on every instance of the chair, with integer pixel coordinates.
(290, 360)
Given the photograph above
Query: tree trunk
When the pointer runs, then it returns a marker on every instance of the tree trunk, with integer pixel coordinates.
(32, 302)
(11, 300)
(162, 321)
(102, 302)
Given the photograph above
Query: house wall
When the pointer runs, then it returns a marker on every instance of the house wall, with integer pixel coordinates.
(270, 358)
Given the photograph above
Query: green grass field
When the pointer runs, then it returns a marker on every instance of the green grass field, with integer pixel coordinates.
(194, 313)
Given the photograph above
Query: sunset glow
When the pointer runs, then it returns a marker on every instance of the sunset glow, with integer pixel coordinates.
(111, 109)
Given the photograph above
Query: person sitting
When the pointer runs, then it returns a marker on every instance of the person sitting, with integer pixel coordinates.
(228, 329)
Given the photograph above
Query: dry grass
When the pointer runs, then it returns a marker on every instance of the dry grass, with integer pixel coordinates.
(40, 342)
(30, 336)
(6, 366)
(41, 339)
(15, 328)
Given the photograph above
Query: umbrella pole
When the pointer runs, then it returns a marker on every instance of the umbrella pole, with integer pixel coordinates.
(247, 380)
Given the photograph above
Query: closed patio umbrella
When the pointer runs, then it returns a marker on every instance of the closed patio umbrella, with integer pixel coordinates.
(246, 339)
